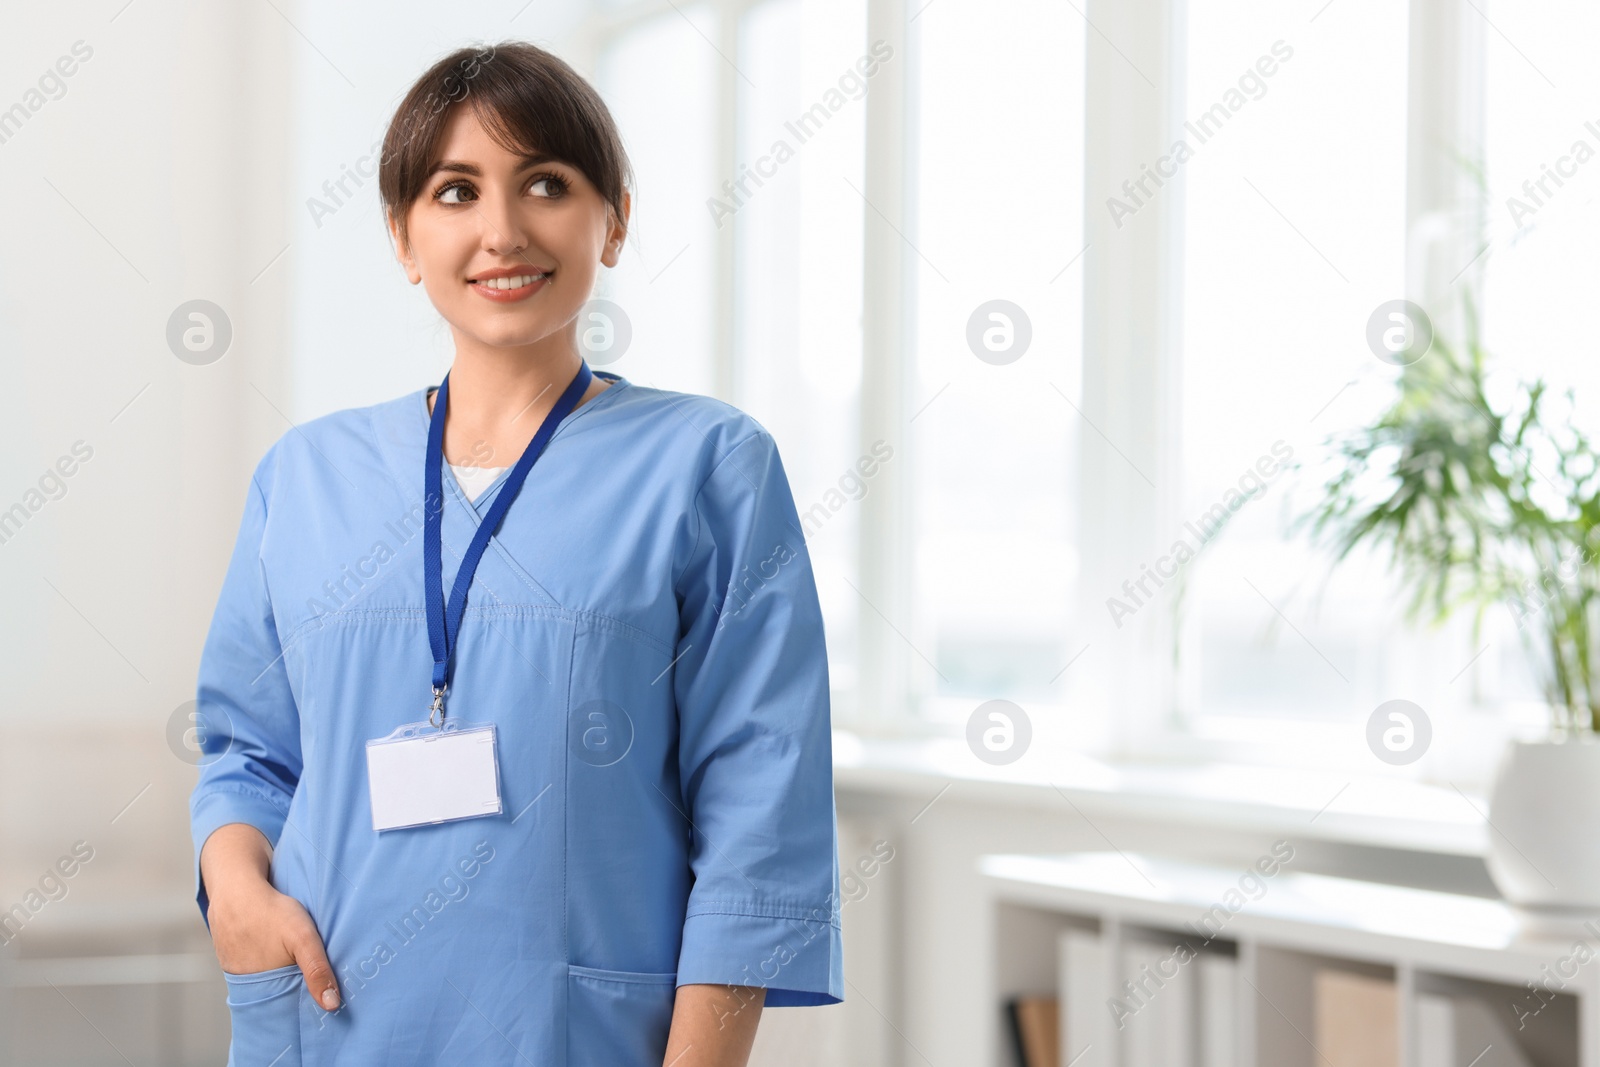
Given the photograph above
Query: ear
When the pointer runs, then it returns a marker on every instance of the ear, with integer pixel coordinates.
(402, 252)
(611, 255)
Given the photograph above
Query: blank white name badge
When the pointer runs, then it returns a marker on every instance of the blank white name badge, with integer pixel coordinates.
(420, 775)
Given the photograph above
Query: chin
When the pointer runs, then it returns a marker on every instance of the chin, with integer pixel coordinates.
(509, 335)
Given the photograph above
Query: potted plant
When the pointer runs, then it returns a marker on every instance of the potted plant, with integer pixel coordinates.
(1495, 509)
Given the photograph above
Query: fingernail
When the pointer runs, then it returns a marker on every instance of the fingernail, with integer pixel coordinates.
(330, 998)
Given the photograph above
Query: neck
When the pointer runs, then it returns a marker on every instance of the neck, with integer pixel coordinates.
(499, 397)
(505, 390)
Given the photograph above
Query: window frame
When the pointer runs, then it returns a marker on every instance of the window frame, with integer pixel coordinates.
(1132, 333)
(1444, 92)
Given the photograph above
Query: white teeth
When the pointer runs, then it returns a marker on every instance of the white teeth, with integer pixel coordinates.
(514, 282)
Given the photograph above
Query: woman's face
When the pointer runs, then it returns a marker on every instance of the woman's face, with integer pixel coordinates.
(507, 247)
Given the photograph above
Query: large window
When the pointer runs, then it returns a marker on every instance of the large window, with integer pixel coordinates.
(1293, 231)
(998, 189)
(1291, 218)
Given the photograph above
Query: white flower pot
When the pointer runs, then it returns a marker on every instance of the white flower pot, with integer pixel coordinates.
(1544, 811)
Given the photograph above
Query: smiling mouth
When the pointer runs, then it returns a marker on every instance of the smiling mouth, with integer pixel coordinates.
(515, 281)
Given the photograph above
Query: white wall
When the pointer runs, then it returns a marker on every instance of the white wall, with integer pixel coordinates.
(155, 178)
(149, 177)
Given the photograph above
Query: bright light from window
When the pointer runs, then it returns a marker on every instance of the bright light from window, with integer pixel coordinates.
(1294, 230)
(1542, 134)
(999, 197)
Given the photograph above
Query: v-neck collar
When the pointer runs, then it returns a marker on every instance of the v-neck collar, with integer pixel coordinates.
(399, 429)
(618, 382)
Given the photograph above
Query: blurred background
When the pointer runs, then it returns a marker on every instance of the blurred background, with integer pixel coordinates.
(1071, 345)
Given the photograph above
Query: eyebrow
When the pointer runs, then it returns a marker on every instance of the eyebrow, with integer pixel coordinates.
(457, 166)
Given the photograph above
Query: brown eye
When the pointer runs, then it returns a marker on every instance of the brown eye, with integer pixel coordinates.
(454, 193)
(548, 186)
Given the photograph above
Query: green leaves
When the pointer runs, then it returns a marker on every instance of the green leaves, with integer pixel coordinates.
(1480, 507)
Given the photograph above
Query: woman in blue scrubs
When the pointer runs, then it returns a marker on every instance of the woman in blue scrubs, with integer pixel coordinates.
(515, 701)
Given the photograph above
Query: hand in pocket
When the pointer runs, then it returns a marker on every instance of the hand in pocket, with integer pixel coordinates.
(255, 928)
(263, 930)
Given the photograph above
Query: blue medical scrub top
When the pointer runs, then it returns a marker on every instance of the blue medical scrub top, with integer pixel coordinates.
(644, 633)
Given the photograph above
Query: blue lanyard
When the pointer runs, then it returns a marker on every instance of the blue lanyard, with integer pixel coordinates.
(443, 624)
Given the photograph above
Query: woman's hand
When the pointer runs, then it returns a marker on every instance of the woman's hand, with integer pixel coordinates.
(253, 926)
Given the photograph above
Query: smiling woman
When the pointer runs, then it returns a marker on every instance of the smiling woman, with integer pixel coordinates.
(637, 898)
(465, 188)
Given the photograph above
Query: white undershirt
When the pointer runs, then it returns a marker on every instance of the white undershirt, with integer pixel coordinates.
(474, 480)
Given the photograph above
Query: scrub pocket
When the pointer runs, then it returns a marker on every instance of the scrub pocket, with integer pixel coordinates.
(265, 1007)
(618, 1018)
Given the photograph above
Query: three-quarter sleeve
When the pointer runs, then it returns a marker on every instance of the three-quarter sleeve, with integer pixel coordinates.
(755, 749)
(247, 721)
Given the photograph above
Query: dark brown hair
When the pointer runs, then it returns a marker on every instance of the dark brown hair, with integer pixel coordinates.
(527, 99)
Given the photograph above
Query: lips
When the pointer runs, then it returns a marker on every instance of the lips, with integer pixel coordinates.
(507, 286)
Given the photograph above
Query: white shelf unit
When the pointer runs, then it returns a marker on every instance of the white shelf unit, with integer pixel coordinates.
(1428, 942)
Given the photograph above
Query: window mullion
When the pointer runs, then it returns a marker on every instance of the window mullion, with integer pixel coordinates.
(885, 693)
(1129, 424)
(1445, 222)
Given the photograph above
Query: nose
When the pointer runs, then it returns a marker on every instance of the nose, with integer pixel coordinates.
(505, 233)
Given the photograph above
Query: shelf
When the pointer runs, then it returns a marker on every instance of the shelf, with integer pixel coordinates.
(1282, 931)
(1308, 911)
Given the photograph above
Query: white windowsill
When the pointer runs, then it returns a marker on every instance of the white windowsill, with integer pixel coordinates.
(1293, 803)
